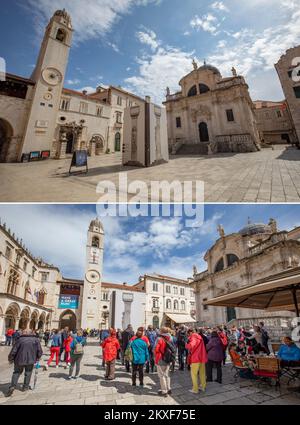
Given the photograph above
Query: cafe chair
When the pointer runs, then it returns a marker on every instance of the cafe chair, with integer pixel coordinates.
(268, 369)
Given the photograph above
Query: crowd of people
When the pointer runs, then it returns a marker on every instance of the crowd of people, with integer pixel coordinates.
(200, 351)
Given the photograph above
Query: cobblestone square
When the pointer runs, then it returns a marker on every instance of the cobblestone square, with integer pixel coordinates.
(53, 388)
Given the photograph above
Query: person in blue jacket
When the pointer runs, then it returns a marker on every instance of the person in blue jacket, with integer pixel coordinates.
(140, 356)
(289, 352)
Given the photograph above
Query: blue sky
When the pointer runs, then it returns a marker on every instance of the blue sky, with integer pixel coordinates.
(133, 246)
(147, 45)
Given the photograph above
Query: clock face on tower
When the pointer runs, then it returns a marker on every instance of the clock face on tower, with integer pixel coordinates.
(52, 76)
(93, 276)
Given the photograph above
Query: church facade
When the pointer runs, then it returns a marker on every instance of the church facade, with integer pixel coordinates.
(42, 119)
(211, 114)
(241, 259)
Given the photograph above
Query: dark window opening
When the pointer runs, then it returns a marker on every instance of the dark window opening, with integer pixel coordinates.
(231, 259)
(230, 115)
(61, 35)
(203, 88)
(178, 122)
(192, 91)
(13, 89)
(220, 265)
(297, 92)
(203, 132)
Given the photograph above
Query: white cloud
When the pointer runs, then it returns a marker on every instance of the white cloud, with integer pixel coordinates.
(219, 5)
(208, 23)
(73, 82)
(148, 37)
(91, 18)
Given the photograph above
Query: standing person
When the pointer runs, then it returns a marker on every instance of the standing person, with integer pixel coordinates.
(257, 340)
(203, 336)
(223, 337)
(165, 353)
(103, 335)
(46, 337)
(126, 337)
(119, 336)
(8, 337)
(25, 353)
(215, 353)
(64, 336)
(152, 336)
(77, 352)
(181, 344)
(55, 348)
(140, 356)
(110, 351)
(15, 336)
(197, 360)
(265, 337)
(67, 347)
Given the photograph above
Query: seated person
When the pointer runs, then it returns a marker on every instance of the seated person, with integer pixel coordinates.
(241, 361)
(242, 348)
(289, 353)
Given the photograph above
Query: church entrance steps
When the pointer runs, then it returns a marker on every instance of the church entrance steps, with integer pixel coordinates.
(193, 149)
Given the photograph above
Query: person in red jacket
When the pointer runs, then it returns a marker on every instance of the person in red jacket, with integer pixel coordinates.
(110, 348)
(8, 337)
(223, 337)
(144, 337)
(197, 358)
(67, 346)
(163, 366)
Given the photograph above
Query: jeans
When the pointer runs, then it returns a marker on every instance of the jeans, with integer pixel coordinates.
(8, 341)
(76, 360)
(18, 370)
(198, 371)
(165, 380)
(150, 363)
(138, 368)
(181, 357)
(209, 370)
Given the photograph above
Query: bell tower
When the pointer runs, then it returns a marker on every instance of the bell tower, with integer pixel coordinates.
(90, 315)
(48, 76)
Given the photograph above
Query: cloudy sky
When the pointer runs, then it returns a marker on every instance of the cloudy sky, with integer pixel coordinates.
(147, 45)
(133, 246)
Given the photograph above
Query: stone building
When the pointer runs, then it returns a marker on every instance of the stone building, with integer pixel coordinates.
(38, 116)
(288, 69)
(169, 301)
(240, 259)
(211, 114)
(34, 294)
(274, 122)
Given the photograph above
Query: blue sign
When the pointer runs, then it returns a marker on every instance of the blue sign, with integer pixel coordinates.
(68, 301)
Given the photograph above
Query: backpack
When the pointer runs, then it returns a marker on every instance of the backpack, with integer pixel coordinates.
(128, 354)
(152, 338)
(78, 347)
(169, 355)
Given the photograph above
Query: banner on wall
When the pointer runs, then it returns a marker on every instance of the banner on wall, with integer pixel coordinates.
(68, 301)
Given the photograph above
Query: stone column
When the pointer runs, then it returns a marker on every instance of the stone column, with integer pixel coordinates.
(2, 328)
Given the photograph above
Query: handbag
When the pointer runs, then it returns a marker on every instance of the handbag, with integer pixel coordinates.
(78, 348)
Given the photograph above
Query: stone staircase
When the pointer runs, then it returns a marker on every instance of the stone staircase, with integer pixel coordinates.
(193, 149)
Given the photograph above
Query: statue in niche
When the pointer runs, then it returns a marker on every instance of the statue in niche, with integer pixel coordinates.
(233, 70)
(221, 231)
(273, 225)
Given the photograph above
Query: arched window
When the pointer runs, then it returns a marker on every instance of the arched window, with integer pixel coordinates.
(95, 242)
(220, 265)
(60, 35)
(192, 91)
(118, 142)
(231, 259)
(41, 297)
(203, 88)
(169, 304)
(176, 305)
(13, 282)
(182, 305)
(26, 291)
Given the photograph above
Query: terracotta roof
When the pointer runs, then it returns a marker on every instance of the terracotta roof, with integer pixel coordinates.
(20, 79)
(122, 287)
(80, 94)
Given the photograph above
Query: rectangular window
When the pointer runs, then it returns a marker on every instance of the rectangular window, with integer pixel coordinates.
(175, 290)
(230, 115)
(83, 108)
(279, 114)
(99, 111)
(8, 252)
(18, 259)
(50, 106)
(119, 117)
(192, 294)
(33, 272)
(168, 289)
(42, 104)
(65, 105)
(44, 276)
(155, 287)
(105, 296)
(119, 101)
(178, 122)
(205, 307)
(25, 265)
(181, 291)
(297, 92)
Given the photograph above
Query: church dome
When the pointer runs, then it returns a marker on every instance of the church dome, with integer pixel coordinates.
(255, 229)
(207, 67)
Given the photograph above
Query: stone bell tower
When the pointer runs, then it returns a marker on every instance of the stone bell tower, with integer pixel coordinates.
(91, 313)
(49, 77)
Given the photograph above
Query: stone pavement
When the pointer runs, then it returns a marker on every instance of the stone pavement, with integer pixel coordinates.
(266, 176)
(91, 388)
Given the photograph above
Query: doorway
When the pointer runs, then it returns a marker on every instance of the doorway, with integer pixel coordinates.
(203, 132)
(118, 142)
(68, 320)
(231, 314)
(6, 134)
(70, 143)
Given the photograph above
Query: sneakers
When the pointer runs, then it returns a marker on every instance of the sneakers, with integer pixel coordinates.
(25, 389)
(194, 392)
(56, 367)
(69, 377)
(46, 367)
(10, 392)
(170, 392)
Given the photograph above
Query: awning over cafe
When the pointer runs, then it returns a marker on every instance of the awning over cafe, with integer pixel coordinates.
(181, 319)
(278, 292)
